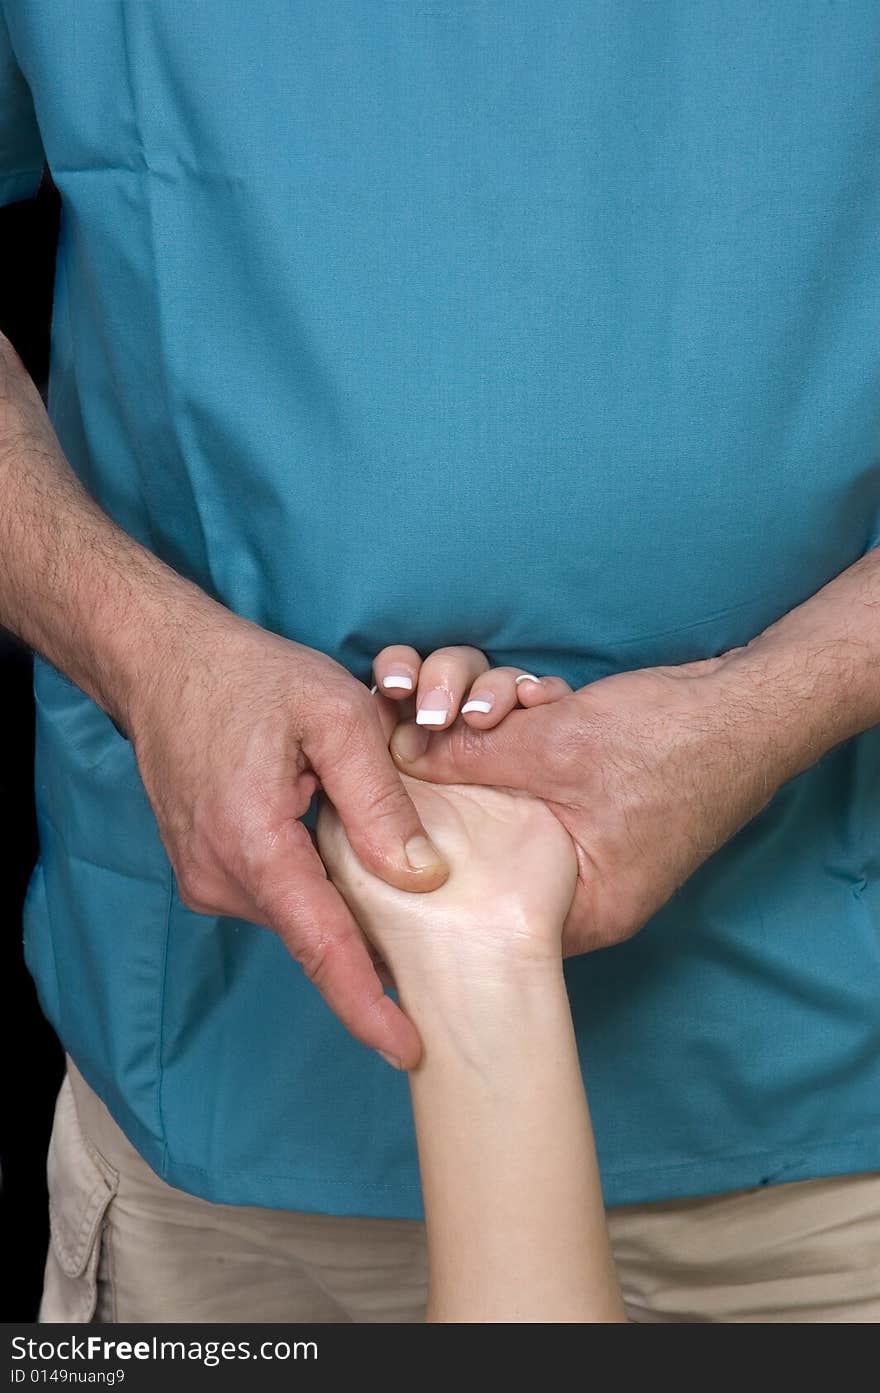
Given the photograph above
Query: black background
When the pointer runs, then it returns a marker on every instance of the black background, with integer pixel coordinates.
(32, 1061)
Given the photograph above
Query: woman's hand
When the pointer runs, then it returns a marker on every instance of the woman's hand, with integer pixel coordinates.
(512, 876)
(512, 866)
(458, 680)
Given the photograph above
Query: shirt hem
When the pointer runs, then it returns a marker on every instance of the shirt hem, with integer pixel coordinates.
(317, 1194)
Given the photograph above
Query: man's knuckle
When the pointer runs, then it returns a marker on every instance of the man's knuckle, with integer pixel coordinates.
(573, 743)
(466, 743)
(387, 803)
(196, 889)
(317, 960)
(338, 728)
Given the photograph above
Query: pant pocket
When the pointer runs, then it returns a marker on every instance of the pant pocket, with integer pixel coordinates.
(81, 1187)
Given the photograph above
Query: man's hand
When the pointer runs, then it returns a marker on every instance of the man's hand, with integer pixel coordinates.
(233, 727)
(232, 736)
(649, 772)
(512, 877)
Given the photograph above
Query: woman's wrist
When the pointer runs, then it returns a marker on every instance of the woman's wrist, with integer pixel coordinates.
(463, 998)
(513, 1203)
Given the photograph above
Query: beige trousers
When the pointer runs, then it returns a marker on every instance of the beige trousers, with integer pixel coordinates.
(128, 1247)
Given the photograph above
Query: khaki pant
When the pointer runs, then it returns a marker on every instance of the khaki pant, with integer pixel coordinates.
(128, 1247)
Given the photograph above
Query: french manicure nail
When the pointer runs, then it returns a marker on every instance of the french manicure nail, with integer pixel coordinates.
(390, 1059)
(420, 853)
(477, 704)
(434, 708)
(526, 677)
(397, 682)
(373, 691)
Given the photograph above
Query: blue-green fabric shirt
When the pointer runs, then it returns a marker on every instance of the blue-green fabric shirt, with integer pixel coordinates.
(544, 326)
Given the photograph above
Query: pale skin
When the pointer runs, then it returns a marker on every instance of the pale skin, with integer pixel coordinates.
(513, 1205)
(233, 728)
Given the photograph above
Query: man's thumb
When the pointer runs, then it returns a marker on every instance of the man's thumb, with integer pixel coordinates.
(378, 815)
(500, 758)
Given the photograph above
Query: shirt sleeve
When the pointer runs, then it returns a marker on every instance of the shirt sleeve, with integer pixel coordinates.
(21, 147)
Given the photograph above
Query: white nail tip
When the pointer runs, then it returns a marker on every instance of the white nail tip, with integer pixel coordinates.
(484, 706)
(526, 677)
(373, 691)
(426, 717)
(399, 684)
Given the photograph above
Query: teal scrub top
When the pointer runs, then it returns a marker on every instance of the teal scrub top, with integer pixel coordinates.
(544, 326)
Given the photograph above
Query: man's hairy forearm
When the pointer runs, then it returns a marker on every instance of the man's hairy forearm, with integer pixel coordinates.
(73, 585)
(813, 677)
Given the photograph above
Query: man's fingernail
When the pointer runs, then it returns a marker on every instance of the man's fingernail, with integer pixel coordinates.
(420, 853)
(409, 742)
(478, 704)
(390, 1059)
(397, 682)
(433, 708)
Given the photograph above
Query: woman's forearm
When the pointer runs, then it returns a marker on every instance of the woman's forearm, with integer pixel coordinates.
(516, 1226)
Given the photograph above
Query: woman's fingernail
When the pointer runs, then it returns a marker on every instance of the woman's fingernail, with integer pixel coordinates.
(434, 708)
(373, 691)
(397, 682)
(420, 853)
(478, 704)
(525, 677)
(408, 741)
(390, 1059)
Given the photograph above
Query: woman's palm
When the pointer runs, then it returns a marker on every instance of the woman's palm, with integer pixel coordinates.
(513, 871)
